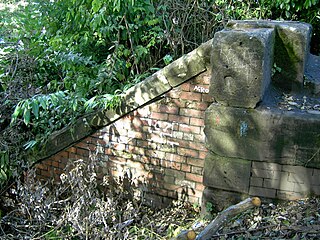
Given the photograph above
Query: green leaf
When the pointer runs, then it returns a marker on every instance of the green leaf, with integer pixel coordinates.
(16, 113)
(35, 109)
(43, 103)
(26, 116)
(96, 5)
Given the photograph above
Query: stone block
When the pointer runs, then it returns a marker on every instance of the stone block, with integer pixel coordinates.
(288, 195)
(264, 134)
(226, 173)
(241, 66)
(266, 166)
(292, 44)
(64, 138)
(262, 192)
(204, 51)
(216, 200)
(185, 67)
(256, 181)
(312, 74)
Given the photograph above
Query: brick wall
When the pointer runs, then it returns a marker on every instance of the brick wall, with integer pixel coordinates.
(162, 143)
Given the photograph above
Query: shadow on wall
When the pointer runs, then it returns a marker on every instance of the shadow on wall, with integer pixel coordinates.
(264, 151)
(143, 151)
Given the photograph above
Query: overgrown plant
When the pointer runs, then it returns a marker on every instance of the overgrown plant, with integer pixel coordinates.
(83, 207)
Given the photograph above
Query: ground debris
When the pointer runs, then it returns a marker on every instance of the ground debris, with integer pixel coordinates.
(286, 220)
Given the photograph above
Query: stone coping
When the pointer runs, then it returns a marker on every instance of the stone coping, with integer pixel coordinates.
(171, 76)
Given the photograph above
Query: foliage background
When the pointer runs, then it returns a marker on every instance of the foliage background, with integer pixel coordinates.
(61, 59)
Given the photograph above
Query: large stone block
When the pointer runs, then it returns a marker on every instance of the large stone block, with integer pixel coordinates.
(292, 44)
(216, 200)
(264, 134)
(227, 173)
(186, 67)
(241, 66)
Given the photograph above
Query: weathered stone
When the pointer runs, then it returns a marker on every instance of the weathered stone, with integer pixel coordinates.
(185, 67)
(241, 66)
(216, 200)
(64, 138)
(227, 173)
(312, 74)
(204, 51)
(292, 43)
(264, 134)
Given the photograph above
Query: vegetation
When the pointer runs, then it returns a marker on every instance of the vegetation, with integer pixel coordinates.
(86, 207)
(61, 59)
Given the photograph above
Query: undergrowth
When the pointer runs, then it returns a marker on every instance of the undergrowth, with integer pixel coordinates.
(85, 206)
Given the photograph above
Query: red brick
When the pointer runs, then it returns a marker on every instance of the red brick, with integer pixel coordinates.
(175, 157)
(174, 93)
(137, 124)
(46, 173)
(83, 152)
(195, 162)
(191, 96)
(185, 168)
(197, 146)
(200, 186)
(55, 163)
(81, 145)
(157, 138)
(188, 152)
(202, 154)
(197, 105)
(42, 166)
(63, 164)
(168, 109)
(197, 170)
(191, 112)
(182, 143)
(203, 78)
(200, 137)
(178, 102)
(171, 164)
(179, 119)
(170, 186)
(173, 194)
(142, 143)
(159, 116)
(185, 87)
(72, 150)
(145, 111)
(189, 129)
(194, 177)
(155, 154)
